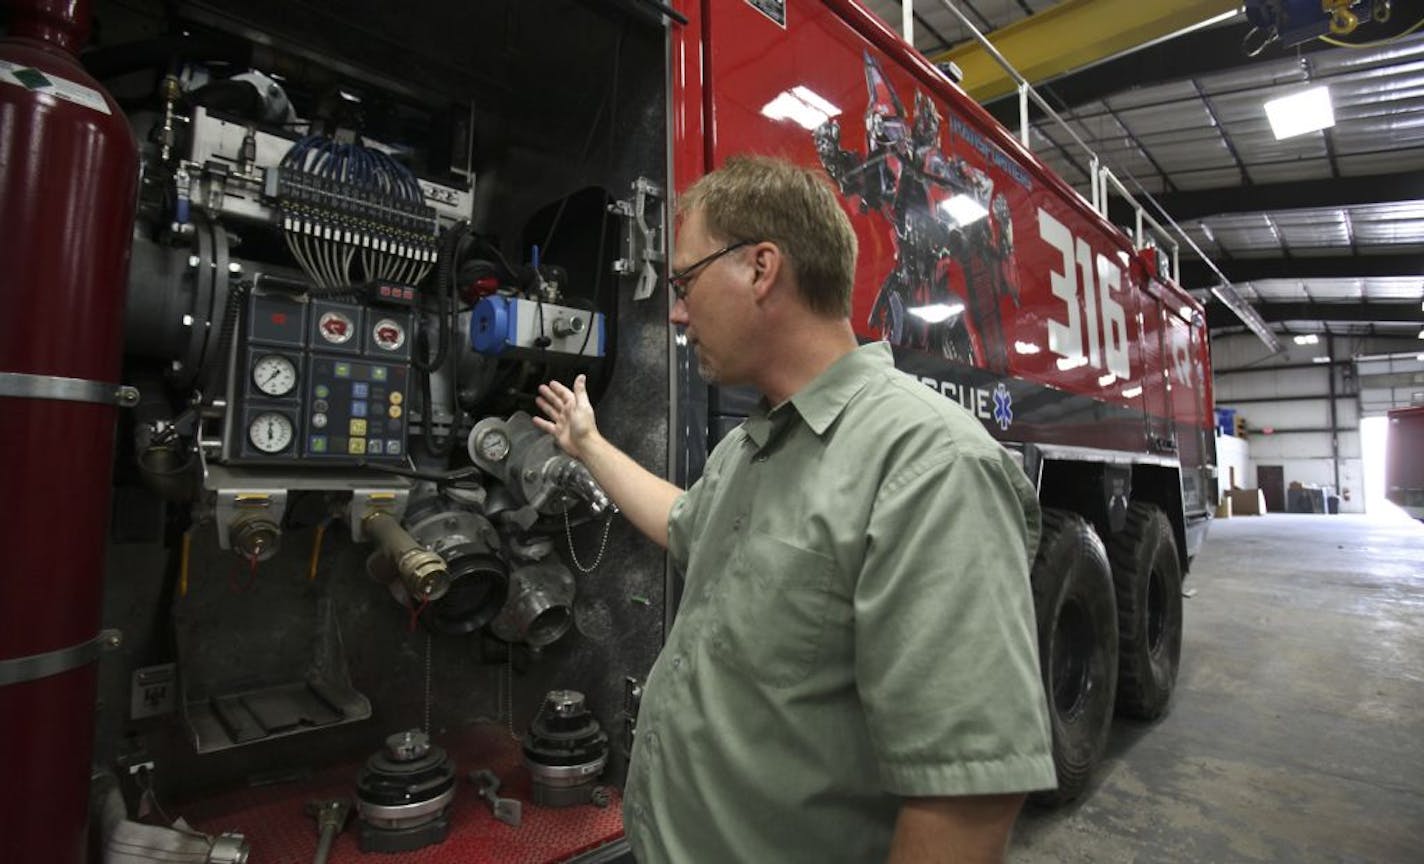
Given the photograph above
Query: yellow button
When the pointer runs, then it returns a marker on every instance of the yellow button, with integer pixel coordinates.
(396, 397)
(358, 427)
(395, 412)
(356, 445)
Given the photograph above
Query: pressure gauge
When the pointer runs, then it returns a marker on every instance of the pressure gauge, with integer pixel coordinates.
(274, 375)
(493, 445)
(270, 432)
(388, 334)
(336, 327)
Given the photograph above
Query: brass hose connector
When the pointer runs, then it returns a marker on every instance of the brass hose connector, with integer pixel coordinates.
(423, 572)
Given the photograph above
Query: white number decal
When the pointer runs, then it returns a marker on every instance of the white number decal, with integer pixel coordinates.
(1114, 318)
(1106, 319)
(1063, 340)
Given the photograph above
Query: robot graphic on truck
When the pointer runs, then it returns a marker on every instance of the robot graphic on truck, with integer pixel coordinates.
(943, 211)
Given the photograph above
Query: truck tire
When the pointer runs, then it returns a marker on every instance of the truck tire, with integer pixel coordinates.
(1077, 644)
(1148, 576)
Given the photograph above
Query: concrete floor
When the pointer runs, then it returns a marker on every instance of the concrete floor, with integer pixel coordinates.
(1297, 728)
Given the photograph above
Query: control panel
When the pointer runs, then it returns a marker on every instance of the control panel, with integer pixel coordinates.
(325, 381)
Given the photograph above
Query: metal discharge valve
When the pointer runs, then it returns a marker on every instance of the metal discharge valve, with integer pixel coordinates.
(422, 572)
(565, 750)
(532, 467)
(403, 795)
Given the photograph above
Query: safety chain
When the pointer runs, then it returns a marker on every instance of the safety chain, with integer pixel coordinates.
(509, 691)
(429, 642)
(602, 544)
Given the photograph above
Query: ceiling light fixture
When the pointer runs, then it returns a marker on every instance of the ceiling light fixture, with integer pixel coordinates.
(1307, 339)
(1299, 113)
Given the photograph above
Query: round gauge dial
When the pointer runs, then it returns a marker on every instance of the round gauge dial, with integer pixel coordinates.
(389, 334)
(270, 432)
(274, 375)
(493, 445)
(336, 327)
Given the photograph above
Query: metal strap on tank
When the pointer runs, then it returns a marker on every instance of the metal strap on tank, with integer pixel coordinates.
(21, 385)
(22, 669)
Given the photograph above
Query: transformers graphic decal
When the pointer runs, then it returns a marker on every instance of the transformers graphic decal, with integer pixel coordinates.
(943, 211)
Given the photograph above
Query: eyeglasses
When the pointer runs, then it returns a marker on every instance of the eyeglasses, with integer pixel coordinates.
(680, 281)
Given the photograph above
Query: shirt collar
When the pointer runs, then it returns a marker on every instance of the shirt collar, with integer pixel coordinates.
(822, 401)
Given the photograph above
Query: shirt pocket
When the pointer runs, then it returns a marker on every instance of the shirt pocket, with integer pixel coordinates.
(774, 607)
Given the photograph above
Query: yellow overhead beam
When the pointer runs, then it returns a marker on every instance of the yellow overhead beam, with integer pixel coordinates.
(1075, 34)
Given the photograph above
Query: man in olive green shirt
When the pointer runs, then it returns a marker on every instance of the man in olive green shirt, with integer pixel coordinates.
(852, 674)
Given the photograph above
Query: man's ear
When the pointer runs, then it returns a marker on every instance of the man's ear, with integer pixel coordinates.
(769, 266)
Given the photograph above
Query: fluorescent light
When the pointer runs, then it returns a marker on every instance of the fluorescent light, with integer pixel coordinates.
(1421, 334)
(936, 313)
(1067, 363)
(1132, 392)
(802, 106)
(1188, 312)
(1299, 113)
(963, 209)
(1320, 359)
(1026, 348)
(1307, 339)
(1106, 380)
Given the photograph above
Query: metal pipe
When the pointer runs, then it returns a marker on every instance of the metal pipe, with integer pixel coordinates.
(423, 572)
(1334, 418)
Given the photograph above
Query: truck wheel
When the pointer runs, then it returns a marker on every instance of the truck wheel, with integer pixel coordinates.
(1077, 645)
(1148, 576)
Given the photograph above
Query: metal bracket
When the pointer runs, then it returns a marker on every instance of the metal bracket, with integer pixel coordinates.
(364, 502)
(235, 505)
(20, 385)
(643, 244)
(18, 670)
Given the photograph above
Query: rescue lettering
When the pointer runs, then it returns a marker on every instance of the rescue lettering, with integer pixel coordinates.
(975, 400)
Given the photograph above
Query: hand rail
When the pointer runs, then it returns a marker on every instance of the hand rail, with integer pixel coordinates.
(1101, 179)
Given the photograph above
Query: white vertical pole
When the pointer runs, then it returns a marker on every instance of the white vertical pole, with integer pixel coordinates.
(1023, 113)
(907, 20)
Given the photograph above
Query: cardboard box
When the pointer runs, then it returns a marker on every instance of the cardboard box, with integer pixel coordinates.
(1247, 502)
(1223, 508)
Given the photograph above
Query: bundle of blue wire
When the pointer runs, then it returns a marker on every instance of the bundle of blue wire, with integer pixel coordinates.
(355, 164)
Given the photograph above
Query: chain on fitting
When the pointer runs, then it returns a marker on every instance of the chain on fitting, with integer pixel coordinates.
(602, 544)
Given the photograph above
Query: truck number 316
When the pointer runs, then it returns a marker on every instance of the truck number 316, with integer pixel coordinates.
(1094, 306)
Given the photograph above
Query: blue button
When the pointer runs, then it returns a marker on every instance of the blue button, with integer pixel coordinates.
(360, 389)
(358, 409)
(373, 446)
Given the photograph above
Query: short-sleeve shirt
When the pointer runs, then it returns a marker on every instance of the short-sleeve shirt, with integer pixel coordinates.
(856, 627)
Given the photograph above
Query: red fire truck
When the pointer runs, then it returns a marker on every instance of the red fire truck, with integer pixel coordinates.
(362, 237)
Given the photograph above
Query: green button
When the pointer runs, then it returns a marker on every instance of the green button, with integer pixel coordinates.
(318, 443)
(322, 391)
(378, 373)
(343, 370)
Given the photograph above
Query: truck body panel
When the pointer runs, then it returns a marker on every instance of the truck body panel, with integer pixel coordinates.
(997, 283)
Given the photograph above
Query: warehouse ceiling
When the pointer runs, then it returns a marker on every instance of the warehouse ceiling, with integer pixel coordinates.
(1321, 233)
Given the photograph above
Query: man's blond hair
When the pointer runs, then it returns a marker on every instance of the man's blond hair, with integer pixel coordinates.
(757, 198)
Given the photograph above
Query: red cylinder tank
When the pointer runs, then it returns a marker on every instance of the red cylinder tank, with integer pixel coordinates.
(68, 184)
